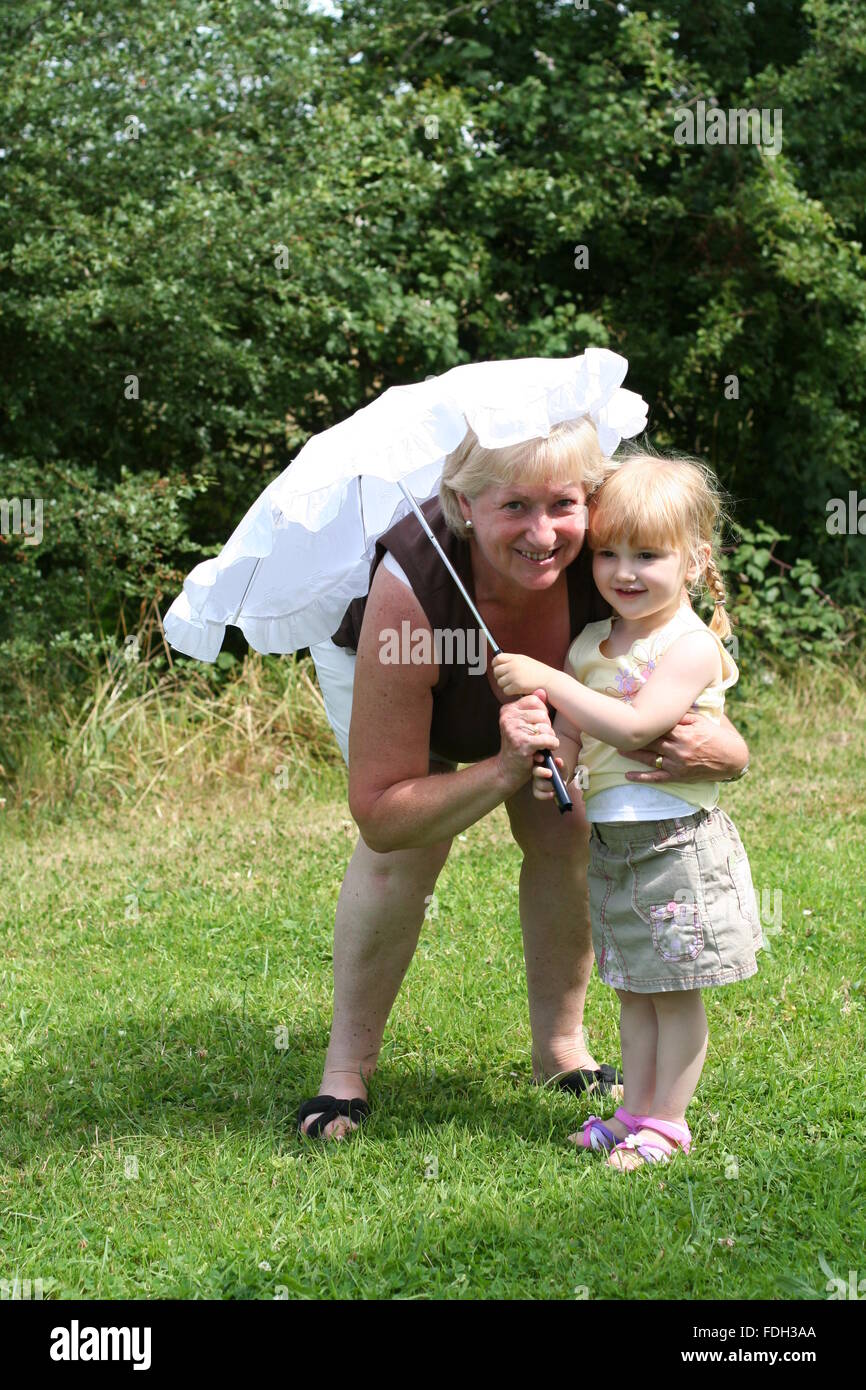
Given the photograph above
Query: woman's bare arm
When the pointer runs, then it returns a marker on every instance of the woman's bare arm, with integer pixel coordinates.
(698, 749)
(394, 800)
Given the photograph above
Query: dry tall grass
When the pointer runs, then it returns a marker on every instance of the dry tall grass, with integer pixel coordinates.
(143, 725)
(146, 725)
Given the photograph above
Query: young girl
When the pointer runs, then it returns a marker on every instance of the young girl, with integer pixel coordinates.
(671, 897)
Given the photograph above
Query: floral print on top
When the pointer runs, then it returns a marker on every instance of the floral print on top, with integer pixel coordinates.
(627, 683)
(634, 674)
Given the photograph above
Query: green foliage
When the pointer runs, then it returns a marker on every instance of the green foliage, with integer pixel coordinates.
(225, 227)
(779, 610)
(101, 553)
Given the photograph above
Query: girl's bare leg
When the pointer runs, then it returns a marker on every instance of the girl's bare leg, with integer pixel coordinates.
(682, 1050)
(679, 1061)
(638, 1032)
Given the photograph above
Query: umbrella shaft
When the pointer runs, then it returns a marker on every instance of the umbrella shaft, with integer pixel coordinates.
(452, 571)
(563, 800)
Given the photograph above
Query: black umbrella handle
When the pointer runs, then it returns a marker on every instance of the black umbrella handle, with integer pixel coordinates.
(563, 800)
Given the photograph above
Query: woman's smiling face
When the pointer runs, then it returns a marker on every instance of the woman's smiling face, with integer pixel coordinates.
(529, 532)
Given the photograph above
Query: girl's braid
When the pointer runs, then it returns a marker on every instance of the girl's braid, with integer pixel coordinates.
(716, 585)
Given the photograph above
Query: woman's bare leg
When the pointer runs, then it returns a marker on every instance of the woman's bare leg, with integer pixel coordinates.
(557, 937)
(378, 921)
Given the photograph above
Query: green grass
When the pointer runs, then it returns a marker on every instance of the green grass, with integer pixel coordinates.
(150, 953)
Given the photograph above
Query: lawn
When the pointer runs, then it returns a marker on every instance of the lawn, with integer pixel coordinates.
(165, 1006)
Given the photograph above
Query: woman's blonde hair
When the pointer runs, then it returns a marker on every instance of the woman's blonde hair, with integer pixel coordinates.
(571, 453)
(649, 500)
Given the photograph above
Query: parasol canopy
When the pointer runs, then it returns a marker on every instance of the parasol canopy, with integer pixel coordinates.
(289, 571)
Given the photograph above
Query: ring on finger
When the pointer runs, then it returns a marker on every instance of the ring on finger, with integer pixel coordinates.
(659, 761)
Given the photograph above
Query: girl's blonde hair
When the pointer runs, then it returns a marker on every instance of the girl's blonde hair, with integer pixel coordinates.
(570, 454)
(648, 500)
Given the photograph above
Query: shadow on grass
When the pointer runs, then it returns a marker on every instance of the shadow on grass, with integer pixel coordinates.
(195, 1073)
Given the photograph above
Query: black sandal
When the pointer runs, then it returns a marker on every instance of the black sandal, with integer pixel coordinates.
(584, 1079)
(356, 1110)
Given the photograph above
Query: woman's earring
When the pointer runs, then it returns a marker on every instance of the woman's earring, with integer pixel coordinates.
(469, 525)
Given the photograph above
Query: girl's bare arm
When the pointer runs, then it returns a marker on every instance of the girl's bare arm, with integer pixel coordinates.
(688, 666)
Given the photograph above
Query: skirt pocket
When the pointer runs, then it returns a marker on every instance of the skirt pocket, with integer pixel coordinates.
(741, 876)
(668, 896)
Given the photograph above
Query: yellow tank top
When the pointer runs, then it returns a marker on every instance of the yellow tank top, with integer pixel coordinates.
(621, 677)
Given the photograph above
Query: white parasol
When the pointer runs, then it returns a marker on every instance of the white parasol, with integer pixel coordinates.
(301, 554)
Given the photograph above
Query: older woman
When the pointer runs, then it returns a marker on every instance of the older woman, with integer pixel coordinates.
(511, 521)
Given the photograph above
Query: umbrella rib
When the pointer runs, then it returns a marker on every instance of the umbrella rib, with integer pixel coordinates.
(234, 620)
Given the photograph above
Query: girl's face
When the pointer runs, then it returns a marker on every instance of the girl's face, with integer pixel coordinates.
(529, 534)
(640, 582)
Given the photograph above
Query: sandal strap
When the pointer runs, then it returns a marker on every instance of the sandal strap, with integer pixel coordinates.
(356, 1110)
(649, 1152)
(679, 1134)
(595, 1125)
(653, 1153)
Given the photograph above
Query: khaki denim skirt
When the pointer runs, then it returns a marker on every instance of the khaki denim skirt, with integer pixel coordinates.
(672, 903)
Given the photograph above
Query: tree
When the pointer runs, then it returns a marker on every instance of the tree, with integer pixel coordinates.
(227, 226)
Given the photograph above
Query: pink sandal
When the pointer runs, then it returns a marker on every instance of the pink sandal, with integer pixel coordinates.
(596, 1134)
(654, 1153)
